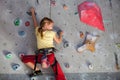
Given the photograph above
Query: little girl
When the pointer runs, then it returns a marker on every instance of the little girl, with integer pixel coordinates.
(45, 37)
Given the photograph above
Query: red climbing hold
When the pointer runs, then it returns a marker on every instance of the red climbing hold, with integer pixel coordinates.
(90, 14)
(27, 23)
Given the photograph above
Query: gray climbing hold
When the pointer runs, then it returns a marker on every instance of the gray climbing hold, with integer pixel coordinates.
(4, 44)
(50, 78)
(67, 65)
(89, 64)
(33, 78)
(65, 43)
(15, 66)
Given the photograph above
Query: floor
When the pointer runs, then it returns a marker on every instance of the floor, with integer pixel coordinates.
(16, 39)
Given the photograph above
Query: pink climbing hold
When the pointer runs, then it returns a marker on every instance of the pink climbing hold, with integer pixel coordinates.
(90, 13)
(27, 23)
(53, 2)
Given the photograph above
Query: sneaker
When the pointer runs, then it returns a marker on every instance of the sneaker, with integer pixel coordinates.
(36, 73)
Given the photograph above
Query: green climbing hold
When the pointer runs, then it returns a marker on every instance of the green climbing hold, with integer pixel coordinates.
(8, 55)
(17, 22)
(118, 45)
(76, 13)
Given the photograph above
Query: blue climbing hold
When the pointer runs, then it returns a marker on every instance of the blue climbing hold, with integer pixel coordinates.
(15, 66)
(21, 33)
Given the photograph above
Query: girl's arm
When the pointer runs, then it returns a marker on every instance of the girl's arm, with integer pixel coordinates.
(58, 39)
(34, 17)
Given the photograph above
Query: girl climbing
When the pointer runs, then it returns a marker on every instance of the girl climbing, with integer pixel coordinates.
(45, 54)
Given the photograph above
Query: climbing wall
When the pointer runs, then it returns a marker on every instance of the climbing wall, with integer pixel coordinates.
(17, 36)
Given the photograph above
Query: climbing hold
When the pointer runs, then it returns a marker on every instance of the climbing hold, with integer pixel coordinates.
(90, 67)
(81, 34)
(65, 7)
(118, 45)
(59, 13)
(53, 2)
(76, 13)
(67, 65)
(8, 55)
(90, 13)
(10, 33)
(52, 78)
(21, 33)
(21, 54)
(72, 56)
(88, 43)
(15, 66)
(66, 44)
(49, 78)
(17, 21)
(89, 64)
(16, 44)
(33, 78)
(37, 1)
(27, 23)
(4, 44)
(116, 61)
(82, 48)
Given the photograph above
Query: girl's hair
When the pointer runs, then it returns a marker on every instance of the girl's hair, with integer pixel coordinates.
(43, 22)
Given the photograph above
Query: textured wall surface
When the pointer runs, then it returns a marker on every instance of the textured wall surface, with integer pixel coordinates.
(21, 39)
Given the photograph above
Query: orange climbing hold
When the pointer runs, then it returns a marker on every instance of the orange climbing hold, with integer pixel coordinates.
(65, 7)
(90, 14)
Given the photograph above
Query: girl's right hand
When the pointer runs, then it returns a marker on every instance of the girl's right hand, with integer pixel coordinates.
(61, 33)
(32, 10)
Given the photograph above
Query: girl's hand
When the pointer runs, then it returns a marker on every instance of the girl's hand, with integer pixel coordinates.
(61, 33)
(32, 10)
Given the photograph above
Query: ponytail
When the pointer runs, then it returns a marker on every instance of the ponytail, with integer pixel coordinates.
(44, 21)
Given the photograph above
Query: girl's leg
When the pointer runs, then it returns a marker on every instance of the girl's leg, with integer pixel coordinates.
(59, 75)
(29, 60)
(31, 65)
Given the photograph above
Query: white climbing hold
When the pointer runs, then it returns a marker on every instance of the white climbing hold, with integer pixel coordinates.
(33, 78)
(90, 66)
(82, 48)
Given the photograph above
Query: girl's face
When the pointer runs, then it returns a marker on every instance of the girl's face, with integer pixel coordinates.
(48, 26)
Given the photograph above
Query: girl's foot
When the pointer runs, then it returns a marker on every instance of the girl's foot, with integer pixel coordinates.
(35, 73)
